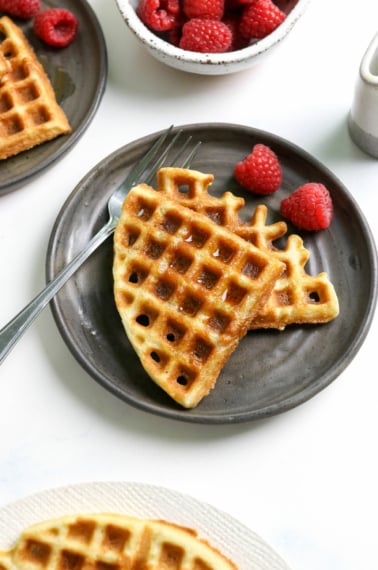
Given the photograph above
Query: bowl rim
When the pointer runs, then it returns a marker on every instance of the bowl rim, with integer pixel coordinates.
(165, 49)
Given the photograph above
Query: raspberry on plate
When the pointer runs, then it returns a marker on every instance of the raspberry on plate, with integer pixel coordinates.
(159, 15)
(205, 36)
(309, 207)
(20, 8)
(210, 9)
(260, 172)
(56, 26)
(260, 18)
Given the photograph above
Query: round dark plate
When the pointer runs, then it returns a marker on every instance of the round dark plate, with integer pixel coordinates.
(270, 371)
(78, 74)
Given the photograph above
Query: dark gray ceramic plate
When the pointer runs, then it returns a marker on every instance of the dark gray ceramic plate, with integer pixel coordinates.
(78, 73)
(270, 371)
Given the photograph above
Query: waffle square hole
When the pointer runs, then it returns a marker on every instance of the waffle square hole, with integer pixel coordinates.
(159, 358)
(125, 298)
(191, 305)
(154, 249)
(129, 236)
(146, 316)
(224, 252)
(27, 93)
(181, 262)
(19, 73)
(164, 289)
(208, 278)
(37, 552)
(143, 209)
(115, 538)
(174, 332)
(197, 236)
(39, 116)
(185, 376)
(314, 296)
(137, 274)
(82, 531)
(8, 48)
(184, 189)
(251, 268)
(201, 349)
(219, 321)
(70, 561)
(217, 215)
(284, 297)
(171, 223)
(234, 294)
(171, 557)
(12, 125)
(5, 103)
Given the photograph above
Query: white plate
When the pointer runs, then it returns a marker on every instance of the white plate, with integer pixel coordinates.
(235, 540)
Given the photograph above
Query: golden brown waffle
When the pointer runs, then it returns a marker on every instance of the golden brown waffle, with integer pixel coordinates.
(186, 290)
(297, 296)
(111, 542)
(29, 112)
(4, 67)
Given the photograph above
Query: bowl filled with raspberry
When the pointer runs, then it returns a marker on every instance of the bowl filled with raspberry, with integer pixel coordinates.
(211, 37)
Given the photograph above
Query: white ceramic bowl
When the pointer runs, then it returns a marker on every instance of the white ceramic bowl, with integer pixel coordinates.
(211, 64)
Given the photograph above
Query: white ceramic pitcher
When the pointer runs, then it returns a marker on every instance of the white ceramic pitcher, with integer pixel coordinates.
(363, 116)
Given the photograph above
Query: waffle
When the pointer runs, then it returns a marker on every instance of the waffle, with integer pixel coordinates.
(186, 290)
(297, 297)
(29, 112)
(111, 542)
(4, 67)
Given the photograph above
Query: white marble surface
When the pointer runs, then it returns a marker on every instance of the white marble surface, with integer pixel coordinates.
(306, 480)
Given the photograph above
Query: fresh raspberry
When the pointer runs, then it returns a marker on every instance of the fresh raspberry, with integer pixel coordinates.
(309, 207)
(173, 35)
(235, 4)
(210, 9)
(20, 8)
(260, 18)
(205, 36)
(159, 15)
(56, 26)
(260, 172)
(232, 20)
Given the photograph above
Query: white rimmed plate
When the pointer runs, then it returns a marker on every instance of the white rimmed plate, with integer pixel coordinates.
(234, 539)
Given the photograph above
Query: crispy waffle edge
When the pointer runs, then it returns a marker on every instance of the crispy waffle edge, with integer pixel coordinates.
(112, 541)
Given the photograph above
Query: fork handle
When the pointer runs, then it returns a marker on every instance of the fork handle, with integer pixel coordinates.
(12, 332)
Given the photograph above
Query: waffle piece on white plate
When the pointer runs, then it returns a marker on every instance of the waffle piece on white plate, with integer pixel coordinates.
(29, 112)
(111, 542)
(186, 290)
(297, 297)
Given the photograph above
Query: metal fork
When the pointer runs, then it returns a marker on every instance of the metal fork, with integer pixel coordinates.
(143, 171)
